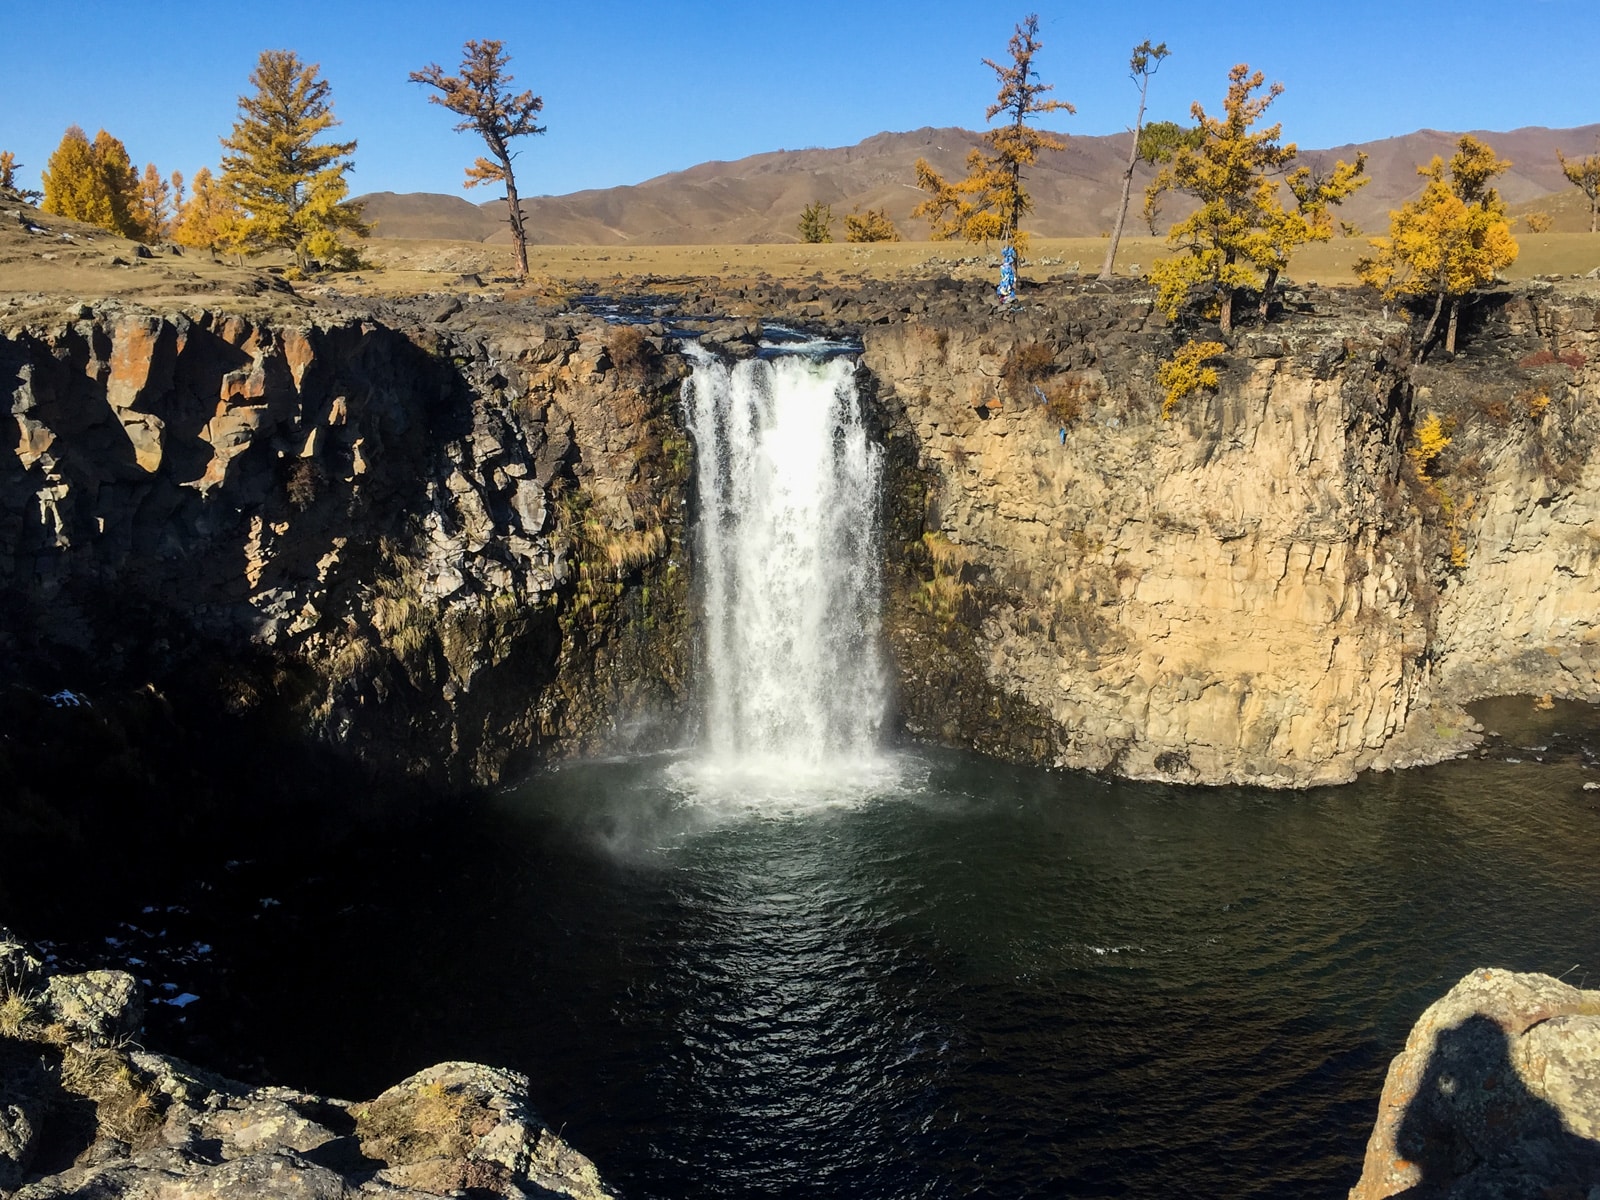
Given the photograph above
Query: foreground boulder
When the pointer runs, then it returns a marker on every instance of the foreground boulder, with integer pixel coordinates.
(84, 1113)
(1496, 1094)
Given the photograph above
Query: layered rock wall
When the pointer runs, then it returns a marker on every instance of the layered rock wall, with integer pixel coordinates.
(442, 543)
(1266, 588)
(407, 550)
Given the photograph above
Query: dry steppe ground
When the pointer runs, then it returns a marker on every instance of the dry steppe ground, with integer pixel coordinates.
(413, 266)
(44, 259)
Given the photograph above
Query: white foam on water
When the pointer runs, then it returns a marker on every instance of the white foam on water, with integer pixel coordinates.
(726, 788)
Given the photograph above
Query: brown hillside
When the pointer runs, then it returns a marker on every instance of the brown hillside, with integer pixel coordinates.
(428, 215)
(758, 199)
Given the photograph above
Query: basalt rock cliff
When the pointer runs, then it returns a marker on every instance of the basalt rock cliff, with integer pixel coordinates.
(381, 553)
(1495, 1095)
(249, 566)
(1292, 579)
(85, 1111)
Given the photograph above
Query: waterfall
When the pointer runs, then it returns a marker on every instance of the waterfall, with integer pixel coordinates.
(787, 565)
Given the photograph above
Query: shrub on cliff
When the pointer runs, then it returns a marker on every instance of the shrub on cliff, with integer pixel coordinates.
(630, 352)
(1026, 365)
(1429, 441)
(1187, 372)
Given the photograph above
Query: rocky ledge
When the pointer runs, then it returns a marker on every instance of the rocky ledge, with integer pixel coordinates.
(1496, 1095)
(84, 1112)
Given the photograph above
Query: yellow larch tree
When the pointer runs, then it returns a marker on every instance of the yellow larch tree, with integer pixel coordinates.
(152, 209)
(873, 225)
(9, 166)
(1584, 174)
(1241, 235)
(1315, 191)
(93, 182)
(1448, 242)
(991, 201)
(211, 218)
(72, 182)
(290, 186)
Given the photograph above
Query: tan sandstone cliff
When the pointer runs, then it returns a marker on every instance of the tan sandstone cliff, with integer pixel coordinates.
(1263, 589)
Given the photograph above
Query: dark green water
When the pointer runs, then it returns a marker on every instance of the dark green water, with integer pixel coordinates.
(975, 980)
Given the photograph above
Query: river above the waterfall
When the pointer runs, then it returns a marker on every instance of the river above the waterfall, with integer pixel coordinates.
(951, 977)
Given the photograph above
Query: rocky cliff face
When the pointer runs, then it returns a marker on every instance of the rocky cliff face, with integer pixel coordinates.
(85, 1112)
(1496, 1094)
(430, 544)
(406, 551)
(1275, 586)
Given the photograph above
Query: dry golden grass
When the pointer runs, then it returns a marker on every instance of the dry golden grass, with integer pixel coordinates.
(16, 1010)
(424, 266)
(46, 267)
(942, 596)
(435, 1119)
(56, 257)
(126, 1103)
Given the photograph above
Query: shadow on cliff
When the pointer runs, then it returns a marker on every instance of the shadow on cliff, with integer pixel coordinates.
(1476, 1131)
(184, 737)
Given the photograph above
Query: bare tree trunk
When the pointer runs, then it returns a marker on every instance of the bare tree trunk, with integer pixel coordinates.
(1433, 323)
(1225, 320)
(519, 236)
(1450, 332)
(1266, 291)
(1127, 188)
(1014, 219)
(1594, 215)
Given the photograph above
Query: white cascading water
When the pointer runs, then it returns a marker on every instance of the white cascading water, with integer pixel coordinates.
(787, 564)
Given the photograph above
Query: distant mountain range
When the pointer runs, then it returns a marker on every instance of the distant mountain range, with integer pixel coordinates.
(758, 199)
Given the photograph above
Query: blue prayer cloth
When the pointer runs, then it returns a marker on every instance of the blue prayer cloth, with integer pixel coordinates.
(1007, 291)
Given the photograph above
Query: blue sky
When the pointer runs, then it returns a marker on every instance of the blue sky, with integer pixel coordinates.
(635, 89)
